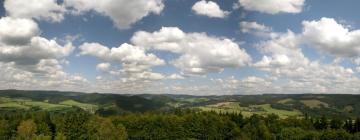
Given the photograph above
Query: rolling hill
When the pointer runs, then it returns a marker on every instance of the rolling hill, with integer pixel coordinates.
(284, 105)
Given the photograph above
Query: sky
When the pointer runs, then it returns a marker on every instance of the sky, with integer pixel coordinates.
(197, 47)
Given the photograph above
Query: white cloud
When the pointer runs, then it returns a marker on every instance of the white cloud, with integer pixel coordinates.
(39, 48)
(295, 73)
(164, 40)
(136, 63)
(199, 53)
(358, 69)
(247, 85)
(273, 6)
(38, 9)
(331, 37)
(210, 9)
(95, 49)
(21, 45)
(105, 67)
(146, 75)
(123, 13)
(175, 77)
(257, 29)
(356, 60)
(248, 27)
(17, 31)
(133, 58)
(29, 61)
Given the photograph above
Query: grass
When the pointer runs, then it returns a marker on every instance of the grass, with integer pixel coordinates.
(13, 105)
(27, 104)
(263, 109)
(314, 103)
(348, 108)
(285, 101)
(44, 105)
(185, 101)
(84, 106)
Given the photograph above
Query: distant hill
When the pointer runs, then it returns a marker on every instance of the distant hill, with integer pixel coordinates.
(103, 103)
(284, 105)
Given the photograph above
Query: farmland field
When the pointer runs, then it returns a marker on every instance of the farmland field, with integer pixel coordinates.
(234, 107)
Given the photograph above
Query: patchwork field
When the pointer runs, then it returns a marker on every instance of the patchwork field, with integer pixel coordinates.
(87, 107)
(314, 103)
(234, 107)
(26, 104)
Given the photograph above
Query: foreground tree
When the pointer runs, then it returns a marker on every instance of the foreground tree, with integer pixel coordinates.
(26, 130)
(5, 130)
(103, 129)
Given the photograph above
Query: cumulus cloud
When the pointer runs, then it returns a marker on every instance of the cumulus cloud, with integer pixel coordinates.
(247, 85)
(104, 67)
(256, 29)
(133, 58)
(39, 48)
(123, 13)
(273, 6)
(136, 63)
(39, 9)
(327, 35)
(17, 31)
(175, 77)
(284, 60)
(210, 9)
(30, 61)
(199, 52)
(22, 45)
(358, 69)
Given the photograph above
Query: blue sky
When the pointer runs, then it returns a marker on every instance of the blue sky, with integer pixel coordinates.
(221, 46)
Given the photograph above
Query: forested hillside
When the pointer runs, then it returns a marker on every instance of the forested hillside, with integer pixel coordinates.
(299, 105)
(177, 124)
(48, 115)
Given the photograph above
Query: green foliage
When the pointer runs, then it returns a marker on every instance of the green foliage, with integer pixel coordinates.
(290, 133)
(103, 129)
(5, 132)
(339, 134)
(120, 117)
(177, 124)
(26, 130)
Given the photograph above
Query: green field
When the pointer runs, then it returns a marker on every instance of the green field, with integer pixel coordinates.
(27, 104)
(184, 101)
(87, 107)
(234, 107)
(314, 103)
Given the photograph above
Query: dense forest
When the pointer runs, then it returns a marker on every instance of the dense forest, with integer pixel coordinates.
(53, 115)
(176, 124)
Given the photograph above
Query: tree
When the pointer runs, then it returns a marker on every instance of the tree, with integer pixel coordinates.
(5, 132)
(103, 129)
(74, 125)
(42, 137)
(60, 136)
(332, 134)
(356, 136)
(348, 126)
(26, 130)
(321, 123)
(357, 125)
(291, 134)
(336, 123)
(256, 129)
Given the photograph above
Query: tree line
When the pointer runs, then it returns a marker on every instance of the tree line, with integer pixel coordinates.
(172, 125)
